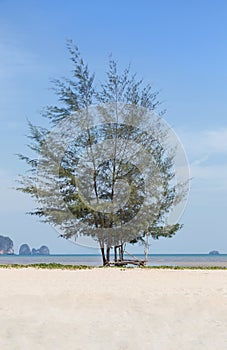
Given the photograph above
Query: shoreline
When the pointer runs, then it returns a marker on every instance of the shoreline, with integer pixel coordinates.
(56, 266)
(96, 260)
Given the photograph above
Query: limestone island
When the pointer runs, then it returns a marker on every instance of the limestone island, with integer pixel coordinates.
(25, 250)
(6, 246)
(214, 252)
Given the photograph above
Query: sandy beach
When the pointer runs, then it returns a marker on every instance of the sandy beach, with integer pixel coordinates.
(113, 309)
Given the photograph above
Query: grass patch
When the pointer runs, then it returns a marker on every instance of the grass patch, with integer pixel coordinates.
(55, 266)
(164, 267)
(50, 266)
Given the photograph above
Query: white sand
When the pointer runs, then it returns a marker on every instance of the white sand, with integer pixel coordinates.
(112, 309)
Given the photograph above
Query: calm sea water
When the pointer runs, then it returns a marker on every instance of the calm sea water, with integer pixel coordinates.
(95, 260)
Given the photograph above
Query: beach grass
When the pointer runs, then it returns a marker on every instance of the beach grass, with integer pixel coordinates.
(50, 266)
(55, 266)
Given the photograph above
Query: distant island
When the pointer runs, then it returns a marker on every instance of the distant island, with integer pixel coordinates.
(6, 245)
(6, 248)
(25, 250)
(214, 252)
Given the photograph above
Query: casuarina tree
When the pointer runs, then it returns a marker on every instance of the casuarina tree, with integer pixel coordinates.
(106, 168)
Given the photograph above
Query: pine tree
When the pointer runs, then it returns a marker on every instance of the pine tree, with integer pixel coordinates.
(121, 103)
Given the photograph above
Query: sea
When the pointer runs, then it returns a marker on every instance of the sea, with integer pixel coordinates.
(193, 260)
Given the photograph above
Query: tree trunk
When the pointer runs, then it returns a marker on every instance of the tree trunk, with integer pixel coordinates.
(103, 256)
(115, 253)
(118, 249)
(121, 252)
(107, 255)
(146, 248)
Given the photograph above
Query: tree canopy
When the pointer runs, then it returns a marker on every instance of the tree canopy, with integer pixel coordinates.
(106, 167)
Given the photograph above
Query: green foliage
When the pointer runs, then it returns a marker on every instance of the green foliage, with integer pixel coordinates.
(50, 266)
(55, 266)
(76, 94)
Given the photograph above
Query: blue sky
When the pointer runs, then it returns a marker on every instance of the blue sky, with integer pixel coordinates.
(179, 46)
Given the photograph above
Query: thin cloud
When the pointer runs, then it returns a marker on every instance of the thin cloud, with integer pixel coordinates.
(204, 143)
(12, 201)
(207, 151)
(15, 59)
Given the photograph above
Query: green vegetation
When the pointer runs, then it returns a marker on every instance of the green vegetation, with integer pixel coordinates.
(51, 266)
(57, 193)
(54, 266)
(186, 267)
